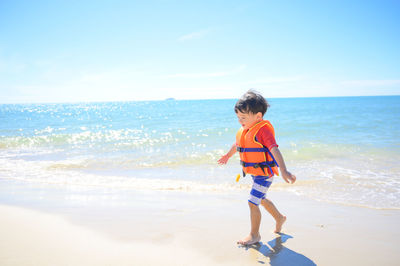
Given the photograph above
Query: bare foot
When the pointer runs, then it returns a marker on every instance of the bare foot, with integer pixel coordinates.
(279, 224)
(249, 240)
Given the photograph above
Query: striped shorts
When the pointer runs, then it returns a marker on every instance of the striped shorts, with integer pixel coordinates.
(259, 189)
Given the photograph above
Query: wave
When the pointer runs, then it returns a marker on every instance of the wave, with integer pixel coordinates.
(349, 184)
(140, 162)
(128, 138)
(340, 173)
(130, 148)
(372, 188)
(305, 151)
(38, 172)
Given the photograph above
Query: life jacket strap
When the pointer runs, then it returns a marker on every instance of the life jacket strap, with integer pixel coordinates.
(261, 165)
(257, 165)
(240, 149)
(265, 149)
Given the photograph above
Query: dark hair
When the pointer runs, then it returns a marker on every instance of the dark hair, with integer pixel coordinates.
(252, 102)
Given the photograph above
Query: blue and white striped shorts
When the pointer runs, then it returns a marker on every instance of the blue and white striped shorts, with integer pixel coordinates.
(259, 189)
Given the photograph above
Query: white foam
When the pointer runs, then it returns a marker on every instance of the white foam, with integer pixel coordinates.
(355, 181)
(39, 172)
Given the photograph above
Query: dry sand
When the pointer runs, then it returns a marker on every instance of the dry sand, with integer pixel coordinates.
(316, 233)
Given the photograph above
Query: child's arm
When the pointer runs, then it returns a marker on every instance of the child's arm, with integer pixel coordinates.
(224, 159)
(286, 175)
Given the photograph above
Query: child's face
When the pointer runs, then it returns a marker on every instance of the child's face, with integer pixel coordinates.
(247, 120)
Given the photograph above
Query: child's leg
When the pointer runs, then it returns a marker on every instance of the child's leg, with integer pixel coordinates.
(260, 187)
(255, 218)
(279, 218)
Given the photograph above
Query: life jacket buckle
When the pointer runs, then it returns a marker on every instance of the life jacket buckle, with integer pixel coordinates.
(259, 165)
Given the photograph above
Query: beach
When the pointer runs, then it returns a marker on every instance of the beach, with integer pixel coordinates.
(137, 183)
(138, 133)
(201, 231)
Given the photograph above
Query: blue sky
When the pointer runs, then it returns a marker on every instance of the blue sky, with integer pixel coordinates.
(68, 51)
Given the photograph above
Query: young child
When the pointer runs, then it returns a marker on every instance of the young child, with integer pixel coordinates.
(259, 157)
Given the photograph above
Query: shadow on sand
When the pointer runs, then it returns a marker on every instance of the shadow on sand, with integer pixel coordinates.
(277, 255)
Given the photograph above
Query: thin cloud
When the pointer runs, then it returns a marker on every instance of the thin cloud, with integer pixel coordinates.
(207, 75)
(371, 83)
(12, 66)
(275, 80)
(194, 35)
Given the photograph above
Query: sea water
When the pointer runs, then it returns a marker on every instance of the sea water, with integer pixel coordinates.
(344, 150)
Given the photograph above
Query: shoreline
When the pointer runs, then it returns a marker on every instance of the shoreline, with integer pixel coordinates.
(200, 229)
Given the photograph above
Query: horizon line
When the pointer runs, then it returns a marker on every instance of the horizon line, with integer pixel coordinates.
(199, 99)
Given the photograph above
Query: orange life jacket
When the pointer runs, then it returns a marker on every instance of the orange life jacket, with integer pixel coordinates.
(255, 158)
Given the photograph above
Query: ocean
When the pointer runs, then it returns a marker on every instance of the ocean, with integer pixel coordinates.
(343, 150)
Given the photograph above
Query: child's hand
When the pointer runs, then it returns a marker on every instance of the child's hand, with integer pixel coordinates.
(288, 177)
(224, 159)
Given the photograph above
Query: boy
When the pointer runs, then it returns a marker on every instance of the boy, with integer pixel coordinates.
(260, 157)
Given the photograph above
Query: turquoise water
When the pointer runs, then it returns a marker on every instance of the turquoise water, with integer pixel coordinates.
(342, 149)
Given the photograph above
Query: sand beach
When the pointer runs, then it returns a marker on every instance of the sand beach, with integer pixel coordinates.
(202, 230)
